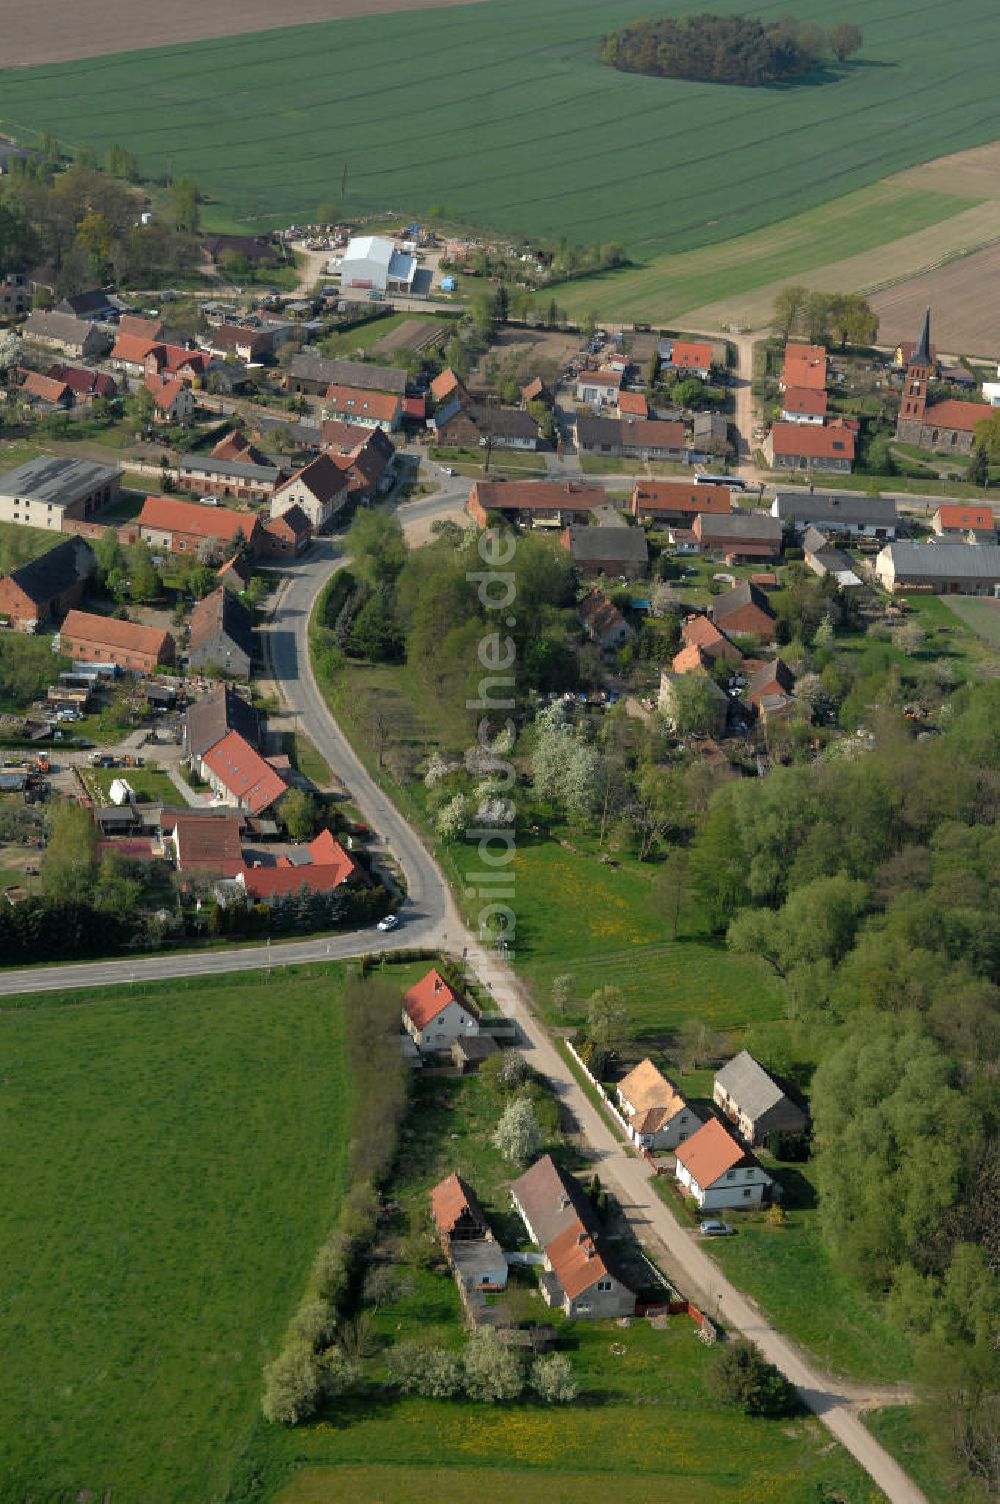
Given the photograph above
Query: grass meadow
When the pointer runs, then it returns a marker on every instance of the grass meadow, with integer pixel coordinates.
(172, 1159)
(502, 115)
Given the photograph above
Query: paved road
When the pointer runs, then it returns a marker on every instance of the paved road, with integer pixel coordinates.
(430, 917)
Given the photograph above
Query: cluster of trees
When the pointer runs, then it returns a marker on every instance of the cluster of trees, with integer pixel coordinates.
(27, 667)
(824, 318)
(77, 225)
(742, 1377)
(487, 1370)
(319, 1357)
(728, 49)
(869, 883)
(301, 913)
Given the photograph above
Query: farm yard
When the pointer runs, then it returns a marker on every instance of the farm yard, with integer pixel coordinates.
(480, 86)
(164, 1195)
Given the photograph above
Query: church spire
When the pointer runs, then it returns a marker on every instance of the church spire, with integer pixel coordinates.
(922, 354)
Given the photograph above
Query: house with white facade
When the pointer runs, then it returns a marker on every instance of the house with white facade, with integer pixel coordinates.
(658, 1116)
(579, 1278)
(599, 388)
(319, 489)
(718, 1172)
(435, 1016)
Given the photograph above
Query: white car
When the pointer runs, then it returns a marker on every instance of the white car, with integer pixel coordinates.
(447, 470)
(715, 1230)
(390, 922)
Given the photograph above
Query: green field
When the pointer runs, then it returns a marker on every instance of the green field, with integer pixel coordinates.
(502, 115)
(171, 1161)
(983, 616)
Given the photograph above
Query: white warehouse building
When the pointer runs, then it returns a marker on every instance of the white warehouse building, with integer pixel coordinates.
(373, 264)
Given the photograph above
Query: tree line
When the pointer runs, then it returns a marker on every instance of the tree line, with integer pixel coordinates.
(728, 49)
(824, 318)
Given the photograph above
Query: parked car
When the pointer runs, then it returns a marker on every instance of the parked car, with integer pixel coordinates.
(715, 1229)
(390, 922)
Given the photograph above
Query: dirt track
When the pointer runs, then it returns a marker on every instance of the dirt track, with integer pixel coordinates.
(51, 31)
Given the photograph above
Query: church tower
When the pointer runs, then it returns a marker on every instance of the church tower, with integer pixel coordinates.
(919, 370)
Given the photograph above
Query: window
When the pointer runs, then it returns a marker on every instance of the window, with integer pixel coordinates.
(604, 1284)
(730, 1174)
(747, 1194)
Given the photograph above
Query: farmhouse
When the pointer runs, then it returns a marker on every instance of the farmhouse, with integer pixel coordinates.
(207, 841)
(240, 343)
(744, 611)
(243, 479)
(327, 866)
(804, 368)
(701, 632)
(184, 526)
(208, 721)
(47, 587)
(801, 404)
(240, 777)
(368, 465)
(105, 639)
(803, 446)
(173, 401)
(372, 264)
(351, 404)
(477, 425)
(603, 622)
(477, 1260)
(65, 332)
(652, 439)
(535, 503)
(838, 512)
(44, 491)
(85, 384)
(578, 1278)
(598, 388)
(973, 524)
(823, 559)
(620, 551)
(44, 392)
(221, 635)
(754, 1102)
(949, 426)
(287, 536)
(434, 1016)
(940, 568)
(739, 536)
(684, 357)
(658, 1116)
(717, 702)
(675, 501)
(319, 490)
(718, 1172)
(599, 435)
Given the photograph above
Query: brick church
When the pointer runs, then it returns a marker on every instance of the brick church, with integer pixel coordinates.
(948, 427)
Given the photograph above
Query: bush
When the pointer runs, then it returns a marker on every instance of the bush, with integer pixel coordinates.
(552, 1379)
(517, 1135)
(292, 1385)
(742, 1377)
(313, 1324)
(418, 1368)
(493, 1372)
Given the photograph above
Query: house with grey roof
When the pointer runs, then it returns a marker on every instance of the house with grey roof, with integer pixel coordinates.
(313, 374)
(208, 475)
(221, 635)
(607, 550)
(64, 331)
(753, 1101)
(47, 586)
(940, 568)
(838, 512)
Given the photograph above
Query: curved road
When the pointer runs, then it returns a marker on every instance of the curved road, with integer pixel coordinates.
(431, 918)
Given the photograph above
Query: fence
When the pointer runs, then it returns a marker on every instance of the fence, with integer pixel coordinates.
(609, 1106)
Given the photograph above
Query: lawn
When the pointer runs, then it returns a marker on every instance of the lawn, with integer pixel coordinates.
(900, 1432)
(481, 86)
(172, 1160)
(789, 1271)
(19, 544)
(150, 785)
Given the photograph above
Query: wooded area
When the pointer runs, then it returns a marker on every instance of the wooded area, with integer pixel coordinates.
(728, 49)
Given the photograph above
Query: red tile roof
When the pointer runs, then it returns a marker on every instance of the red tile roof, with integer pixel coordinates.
(427, 999)
(45, 388)
(691, 660)
(164, 390)
(812, 442)
(963, 416)
(610, 379)
(445, 385)
(633, 405)
(709, 1153)
(805, 367)
(451, 1200)
(699, 632)
(537, 495)
(575, 1260)
(980, 519)
(171, 516)
(244, 773)
(343, 437)
(330, 867)
(292, 523)
(208, 843)
(680, 496)
(800, 399)
(653, 433)
(133, 348)
(85, 382)
(109, 632)
(691, 354)
(147, 329)
(352, 402)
